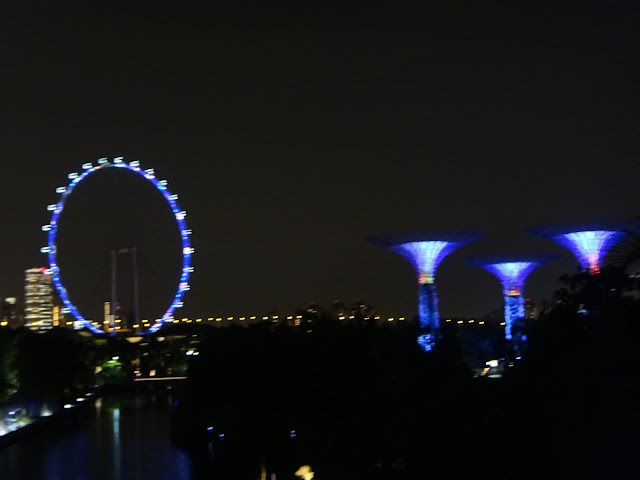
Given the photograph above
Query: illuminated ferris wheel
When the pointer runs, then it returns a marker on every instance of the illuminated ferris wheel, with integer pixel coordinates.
(177, 214)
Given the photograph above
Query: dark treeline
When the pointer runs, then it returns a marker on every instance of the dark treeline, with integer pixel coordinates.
(360, 399)
(44, 370)
(365, 402)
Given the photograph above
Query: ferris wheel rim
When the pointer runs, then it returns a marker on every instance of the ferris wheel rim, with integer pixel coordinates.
(179, 215)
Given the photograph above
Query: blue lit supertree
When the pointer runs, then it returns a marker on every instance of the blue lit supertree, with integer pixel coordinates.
(512, 274)
(589, 246)
(425, 255)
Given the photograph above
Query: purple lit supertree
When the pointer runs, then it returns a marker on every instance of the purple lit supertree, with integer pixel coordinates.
(512, 274)
(589, 246)
(425, 254)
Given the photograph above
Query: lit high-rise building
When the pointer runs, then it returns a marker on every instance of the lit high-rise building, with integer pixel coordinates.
(57, 316)
(38, 299)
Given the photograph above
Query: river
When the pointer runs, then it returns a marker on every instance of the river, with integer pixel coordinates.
(117, 438)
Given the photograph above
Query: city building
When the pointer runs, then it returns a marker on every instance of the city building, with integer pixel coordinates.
(532, 310)
(38, 299)
(9, 315)
(57, 318)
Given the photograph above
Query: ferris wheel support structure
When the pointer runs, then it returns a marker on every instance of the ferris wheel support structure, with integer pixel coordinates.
(113, 304)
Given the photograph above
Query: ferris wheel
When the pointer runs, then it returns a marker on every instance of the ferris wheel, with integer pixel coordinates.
(51, 228)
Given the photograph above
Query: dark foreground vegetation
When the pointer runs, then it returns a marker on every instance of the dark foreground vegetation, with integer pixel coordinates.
(358, 402)
(361, 401)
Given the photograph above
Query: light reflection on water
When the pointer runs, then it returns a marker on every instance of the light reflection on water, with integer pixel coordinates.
(115, 413)
(120, 439)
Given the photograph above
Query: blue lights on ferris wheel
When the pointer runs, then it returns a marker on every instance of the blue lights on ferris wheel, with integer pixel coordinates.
(51, 229)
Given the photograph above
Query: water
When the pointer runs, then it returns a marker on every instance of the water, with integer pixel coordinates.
(118, 438)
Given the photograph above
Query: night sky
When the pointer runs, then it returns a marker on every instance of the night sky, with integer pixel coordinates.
(293, 130)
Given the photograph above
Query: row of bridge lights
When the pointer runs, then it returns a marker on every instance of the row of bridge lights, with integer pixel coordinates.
(448, 320)
(297, 318)
(274, 318)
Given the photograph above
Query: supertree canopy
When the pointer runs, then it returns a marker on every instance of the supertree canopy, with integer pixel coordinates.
(425, 254)
(512, 274)
(589, 246)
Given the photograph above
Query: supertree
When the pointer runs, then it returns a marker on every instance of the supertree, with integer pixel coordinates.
(512, 273)
(588, 245)
(425, 254)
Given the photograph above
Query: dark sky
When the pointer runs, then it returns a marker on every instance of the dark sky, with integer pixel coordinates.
(292, 130)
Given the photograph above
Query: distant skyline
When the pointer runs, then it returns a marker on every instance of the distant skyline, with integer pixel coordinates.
(293, 131)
